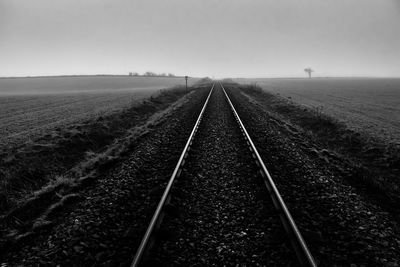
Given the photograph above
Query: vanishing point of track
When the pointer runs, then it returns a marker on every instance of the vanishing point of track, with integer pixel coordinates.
(302, 252)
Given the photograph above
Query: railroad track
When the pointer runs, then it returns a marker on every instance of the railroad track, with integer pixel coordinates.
(301, 251)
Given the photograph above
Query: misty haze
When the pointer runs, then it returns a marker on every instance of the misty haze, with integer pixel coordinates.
(200, 133)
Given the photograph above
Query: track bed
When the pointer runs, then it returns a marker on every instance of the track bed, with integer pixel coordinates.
(221, 211)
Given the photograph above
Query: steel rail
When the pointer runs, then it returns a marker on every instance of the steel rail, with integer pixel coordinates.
(158, 214)
(302, 252)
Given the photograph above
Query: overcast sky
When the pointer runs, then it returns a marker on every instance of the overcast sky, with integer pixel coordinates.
(220, 38)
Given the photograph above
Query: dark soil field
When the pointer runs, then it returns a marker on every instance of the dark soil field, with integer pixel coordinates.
(370, 105)
(32, 107)
(62, 135)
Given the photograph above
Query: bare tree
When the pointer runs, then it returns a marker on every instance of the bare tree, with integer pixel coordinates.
(309, 71)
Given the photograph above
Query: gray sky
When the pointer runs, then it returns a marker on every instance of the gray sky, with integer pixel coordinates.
(221, 38)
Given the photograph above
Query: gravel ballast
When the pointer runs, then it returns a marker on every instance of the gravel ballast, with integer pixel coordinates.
(223, 213)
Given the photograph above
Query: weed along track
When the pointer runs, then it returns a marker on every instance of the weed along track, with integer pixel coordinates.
(221, 206)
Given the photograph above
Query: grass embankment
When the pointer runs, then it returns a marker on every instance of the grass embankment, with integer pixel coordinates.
(64, 155)
(370, 163)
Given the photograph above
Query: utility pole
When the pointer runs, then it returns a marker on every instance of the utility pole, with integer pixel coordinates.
(186, 78)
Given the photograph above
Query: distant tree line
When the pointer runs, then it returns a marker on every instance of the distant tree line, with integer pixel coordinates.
(153, 74)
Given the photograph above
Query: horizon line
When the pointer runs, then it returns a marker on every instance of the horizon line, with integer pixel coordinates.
(182, 76)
